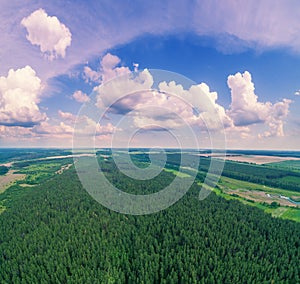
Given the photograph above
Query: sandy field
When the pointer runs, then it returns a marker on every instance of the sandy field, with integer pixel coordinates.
(255, 159)
(7, 164)
(259, 159)
(8, 179)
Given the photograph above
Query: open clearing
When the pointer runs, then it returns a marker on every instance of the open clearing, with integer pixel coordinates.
(260, 196)
(8, 179)
(9, 164)
(259, 160)
(255, 159)
(63, 168)
(178, 173)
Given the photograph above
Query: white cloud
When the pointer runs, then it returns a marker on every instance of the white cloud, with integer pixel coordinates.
(246, 110)
(170, 107)
(108, 94)
(67, 116)
(136, 67)
(297, 93)
(91, 76)
(108, 70)
(208, 113)
(48, 33)
(93, 30)
(85, 125)
(19, 97)
(80, 97)
(53, 132)
(173, 106)
(15, 132)
(109, 62)
(153, 110)
(62, 130)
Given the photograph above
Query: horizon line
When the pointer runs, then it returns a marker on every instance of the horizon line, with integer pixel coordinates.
(172, 148)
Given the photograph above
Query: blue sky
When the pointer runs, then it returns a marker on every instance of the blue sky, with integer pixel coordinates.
(237, 61)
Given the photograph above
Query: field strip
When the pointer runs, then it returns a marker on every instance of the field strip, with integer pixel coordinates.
(63, 168)
(8, 179)
(255, 159)
(258, 193)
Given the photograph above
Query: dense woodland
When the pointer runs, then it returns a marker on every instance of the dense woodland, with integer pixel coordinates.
(262, 174)
(56, 233)
(3, 170)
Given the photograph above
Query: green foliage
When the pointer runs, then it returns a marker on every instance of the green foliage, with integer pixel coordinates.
(3, 170)
(292, 214)
(274, 204)
(56, 233)
(261, 174)
(39, 171)
(280, 177)
(130, 185)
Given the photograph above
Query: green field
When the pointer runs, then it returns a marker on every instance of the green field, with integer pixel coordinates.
(284, 212)
(41, 170)
(177, 173)
(238, 184)
(242, 191)
(292, 214)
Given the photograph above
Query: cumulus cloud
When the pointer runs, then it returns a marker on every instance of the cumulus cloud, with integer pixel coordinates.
(169, 107)
(246, 110)
(109, 94)
(15, 132)
(48, 33)
(85, 125)
(108, 70)
(53, 131)
(67, 116)
(19, 97)
(61, 130)
(91, 76)
(158, 111)
(297, 93)
(80, 97)
(204, 111)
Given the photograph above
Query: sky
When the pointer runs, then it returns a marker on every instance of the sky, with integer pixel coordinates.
(183, 74)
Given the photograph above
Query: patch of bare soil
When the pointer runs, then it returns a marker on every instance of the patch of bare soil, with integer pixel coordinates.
(260, 196)
(8, 179)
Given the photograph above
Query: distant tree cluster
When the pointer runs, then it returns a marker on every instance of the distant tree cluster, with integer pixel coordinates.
(288, 179)
(3, 170)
